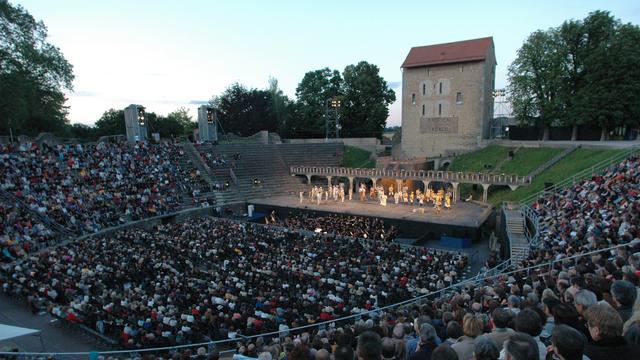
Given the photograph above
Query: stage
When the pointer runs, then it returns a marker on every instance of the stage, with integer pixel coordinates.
(464, 219)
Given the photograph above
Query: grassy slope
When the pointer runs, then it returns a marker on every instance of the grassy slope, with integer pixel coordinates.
(475, 161)
(356, 157)
(528, 159)
(578, 160)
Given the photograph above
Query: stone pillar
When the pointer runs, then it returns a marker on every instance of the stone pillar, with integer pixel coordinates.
(308, 179)
(485, 192)
(350, 184)
(328, 181)
(426, 184)
(399, 184)
(456, 195)
(374, 180)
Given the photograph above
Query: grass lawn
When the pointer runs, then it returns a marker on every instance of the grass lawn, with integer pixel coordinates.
(357, 158)
(528, 159)
(475, 161)
(577, 161)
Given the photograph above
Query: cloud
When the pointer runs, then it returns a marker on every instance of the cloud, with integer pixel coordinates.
(84, 93)
(394, 84)
(198, 102)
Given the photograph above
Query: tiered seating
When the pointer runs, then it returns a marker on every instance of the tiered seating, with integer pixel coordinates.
(87, 188)
(269, 164)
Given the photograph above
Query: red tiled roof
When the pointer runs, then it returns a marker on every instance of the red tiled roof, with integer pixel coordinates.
(454, 52)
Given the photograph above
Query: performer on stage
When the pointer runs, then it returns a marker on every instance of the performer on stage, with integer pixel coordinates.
(341, 193)
(383, 199)
(391, 190)
(301, 196)
(447, 201)
(319, 195)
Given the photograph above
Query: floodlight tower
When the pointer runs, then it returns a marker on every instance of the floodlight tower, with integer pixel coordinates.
(135, 120)
(332, 118)
(501, 114)
(207, 123)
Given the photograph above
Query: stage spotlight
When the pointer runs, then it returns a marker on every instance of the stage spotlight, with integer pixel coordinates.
(210, 115)
(141, 118)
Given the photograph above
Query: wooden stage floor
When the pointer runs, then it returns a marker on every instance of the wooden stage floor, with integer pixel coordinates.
(464, 214)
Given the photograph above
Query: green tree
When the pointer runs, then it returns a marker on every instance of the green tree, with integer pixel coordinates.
(111, 123)
(281, 108)
(535, 82)
(245, 111)
(611, 73)
(571, 45)
(33, 75)
(312, 93)
(366, 100)
(580, 73)
(181, 116)
(80, 131)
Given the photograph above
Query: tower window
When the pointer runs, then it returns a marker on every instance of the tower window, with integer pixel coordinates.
(413, 99)
(424, 89)
(440, 84)
(459, 97)
(422, 110)
(439, 109)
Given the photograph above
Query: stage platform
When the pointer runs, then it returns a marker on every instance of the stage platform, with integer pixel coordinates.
(464, 214)
(463, 220)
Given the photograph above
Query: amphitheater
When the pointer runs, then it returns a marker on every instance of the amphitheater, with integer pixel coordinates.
(117, 250)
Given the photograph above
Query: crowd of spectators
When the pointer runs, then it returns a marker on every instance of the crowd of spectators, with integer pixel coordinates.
(343, 225)
(177, 283)
(575, 297)
(583, 308)
(87, 188)
(20, 231)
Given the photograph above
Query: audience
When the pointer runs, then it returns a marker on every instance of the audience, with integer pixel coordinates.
(176, 284)
(605, 328)
(355, 226)
(87, 188)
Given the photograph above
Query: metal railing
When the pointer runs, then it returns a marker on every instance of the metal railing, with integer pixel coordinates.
(581, 175)
(491, 274)
(532, 235)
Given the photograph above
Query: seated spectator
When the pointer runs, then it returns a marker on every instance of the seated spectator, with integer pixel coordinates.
(520, 346)
(528, 322)
(444, 352)
(624, 296)
(343, 352)
(567, 343)
(454, 332)
(605, 327)
(369, 346)
(485, 349)
(472, 327)
(427, 343)
(501, 318)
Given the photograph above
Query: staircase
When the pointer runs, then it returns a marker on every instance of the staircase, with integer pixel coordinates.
(516, 231)
(205, 172)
